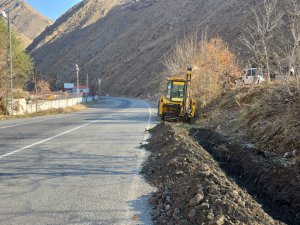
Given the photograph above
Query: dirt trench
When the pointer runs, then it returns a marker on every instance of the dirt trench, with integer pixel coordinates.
(272, 179)
(192, 187)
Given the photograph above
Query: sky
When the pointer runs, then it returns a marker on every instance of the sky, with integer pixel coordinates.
(52, 8)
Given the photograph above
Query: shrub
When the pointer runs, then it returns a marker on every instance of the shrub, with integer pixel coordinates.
(22, 63)
(214, 66)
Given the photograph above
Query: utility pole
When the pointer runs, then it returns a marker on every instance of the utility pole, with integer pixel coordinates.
(9, 57)
(9, 66)
(6, 74)
(77, 72)
(87, 80)
(99, 90)
(36, 89)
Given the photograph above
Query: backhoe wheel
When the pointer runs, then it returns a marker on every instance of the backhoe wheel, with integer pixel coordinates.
(158, 117)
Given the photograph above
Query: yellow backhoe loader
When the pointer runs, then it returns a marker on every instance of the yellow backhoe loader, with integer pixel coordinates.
(177, 102)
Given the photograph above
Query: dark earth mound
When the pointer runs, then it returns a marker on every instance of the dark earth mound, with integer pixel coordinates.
(192, 188)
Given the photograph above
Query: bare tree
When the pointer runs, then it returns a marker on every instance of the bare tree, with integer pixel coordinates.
(294, 56)
(259, 32)
(288, 57)
(183, 55)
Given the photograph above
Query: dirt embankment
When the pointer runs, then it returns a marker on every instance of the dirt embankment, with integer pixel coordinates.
(192, 188)
(254, 133)
(264, 115)
(274, 180)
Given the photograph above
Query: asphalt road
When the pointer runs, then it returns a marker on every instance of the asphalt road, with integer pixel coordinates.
(79, 168)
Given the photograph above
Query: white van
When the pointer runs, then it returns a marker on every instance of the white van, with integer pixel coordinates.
(253, 75)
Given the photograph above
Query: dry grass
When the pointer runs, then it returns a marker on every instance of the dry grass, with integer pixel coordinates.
(273, 119)
(265, 115)
(75, 108)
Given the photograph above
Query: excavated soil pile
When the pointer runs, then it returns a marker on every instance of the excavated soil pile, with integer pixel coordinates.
(192, 188)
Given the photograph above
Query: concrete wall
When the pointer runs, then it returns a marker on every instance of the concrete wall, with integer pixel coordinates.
(21, 107)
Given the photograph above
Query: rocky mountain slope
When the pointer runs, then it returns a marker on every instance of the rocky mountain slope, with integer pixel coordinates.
(26, 21)
(125, 42)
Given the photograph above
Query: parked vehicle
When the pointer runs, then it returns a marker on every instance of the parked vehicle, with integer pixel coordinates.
(253, 76)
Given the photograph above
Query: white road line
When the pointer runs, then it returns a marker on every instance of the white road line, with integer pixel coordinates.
(36, 121)
(43, 141)
(76, 128)
(58, 135)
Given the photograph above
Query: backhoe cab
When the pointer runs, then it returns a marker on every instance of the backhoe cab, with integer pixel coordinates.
(177, 103)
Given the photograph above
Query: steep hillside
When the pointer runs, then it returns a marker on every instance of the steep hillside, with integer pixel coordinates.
(27, 22)
(124, 42)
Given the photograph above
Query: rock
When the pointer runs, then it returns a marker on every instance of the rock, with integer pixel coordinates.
(203, 206)
(213, 190)
(239, 200)
(200, 218)
(218, 220)
(168, 198)
(167, 207)
(205, 179)
(160, 205)
(199, 186)
(234, 194)
(210, 216)
(224, 198)
(223, 190)
(287, 155)
(200, 191)
(179, 172)
(216, 180)
(205, 170)
(196, 200)
(294, 153)
(176, 214)
(155, 214)
(218, 202)
(161, 220)
(204, 167)
(165, 193)
(205, 173)
(242, 204)
(172, 161)
(248, 204)
(169, 213)
(192, 213)
(153, 200)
